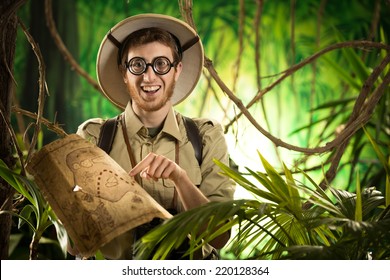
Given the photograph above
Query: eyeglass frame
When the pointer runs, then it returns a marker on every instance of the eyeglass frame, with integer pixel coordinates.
(152, 64)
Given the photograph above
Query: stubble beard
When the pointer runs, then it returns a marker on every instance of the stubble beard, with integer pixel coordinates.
(151, 106)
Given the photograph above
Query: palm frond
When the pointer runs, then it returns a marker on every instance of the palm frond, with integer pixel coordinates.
(43, 216)
(276, 224)
(182, 228)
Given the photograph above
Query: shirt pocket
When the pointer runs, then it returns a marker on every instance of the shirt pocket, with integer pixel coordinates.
(167, 183)
(167, 193)
(195, 175)
(169, 188)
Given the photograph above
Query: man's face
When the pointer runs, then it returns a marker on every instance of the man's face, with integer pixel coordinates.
(150, 91)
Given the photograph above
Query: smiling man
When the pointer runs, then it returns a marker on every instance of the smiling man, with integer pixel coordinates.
(147, 64)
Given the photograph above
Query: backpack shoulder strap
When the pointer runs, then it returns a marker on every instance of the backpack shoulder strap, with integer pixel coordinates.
(109, 127)
(107, 134)
(194, 137)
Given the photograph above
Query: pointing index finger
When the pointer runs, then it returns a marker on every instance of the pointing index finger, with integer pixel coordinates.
(142, 164)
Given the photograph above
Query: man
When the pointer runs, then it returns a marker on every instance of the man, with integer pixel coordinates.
(147, 64)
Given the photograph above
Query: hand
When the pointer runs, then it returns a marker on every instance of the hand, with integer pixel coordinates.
(156, 167)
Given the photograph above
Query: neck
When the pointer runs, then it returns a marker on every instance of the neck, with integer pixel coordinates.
(152, 119)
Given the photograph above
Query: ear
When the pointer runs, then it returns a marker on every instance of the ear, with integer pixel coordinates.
(123, 71)
(179, 68)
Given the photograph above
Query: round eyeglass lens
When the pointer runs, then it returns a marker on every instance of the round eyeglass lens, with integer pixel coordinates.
(161, 65)
(137, 66)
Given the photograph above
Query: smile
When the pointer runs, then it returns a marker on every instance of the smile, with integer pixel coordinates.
(150, 89)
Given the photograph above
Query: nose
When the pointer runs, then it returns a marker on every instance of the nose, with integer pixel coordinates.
(149, 74)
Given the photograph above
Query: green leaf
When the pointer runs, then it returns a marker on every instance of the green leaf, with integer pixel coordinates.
(2, 212)
(243, 182)
(25, 214)
(339, 102)
(269, 196)
(173, 232)
(381, 156)
(62, 235)
(343, 74)
(295, 198)
(329, 119)
(360, 70)
(13, 180)
(14, 242)
(277, 186)
(358, 207)
(385, 163)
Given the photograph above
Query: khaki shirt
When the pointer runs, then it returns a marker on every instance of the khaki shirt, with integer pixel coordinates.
(213, 185)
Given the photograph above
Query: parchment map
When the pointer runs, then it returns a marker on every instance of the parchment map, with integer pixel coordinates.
(95, 199)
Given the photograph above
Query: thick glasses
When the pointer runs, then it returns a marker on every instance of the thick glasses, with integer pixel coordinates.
(160, 65)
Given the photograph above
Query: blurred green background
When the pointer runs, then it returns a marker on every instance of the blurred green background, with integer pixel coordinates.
(250, 43)
(289, 31)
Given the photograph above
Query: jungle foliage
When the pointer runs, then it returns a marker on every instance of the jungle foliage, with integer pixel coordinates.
(303, 84)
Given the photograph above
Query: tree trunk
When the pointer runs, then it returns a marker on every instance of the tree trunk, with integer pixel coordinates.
(8, 28)
(62, 81)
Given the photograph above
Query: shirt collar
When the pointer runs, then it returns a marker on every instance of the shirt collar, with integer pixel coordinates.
(171, 126)
(133, 123)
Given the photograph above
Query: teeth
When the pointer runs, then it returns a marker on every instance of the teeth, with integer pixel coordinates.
(151, 88)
